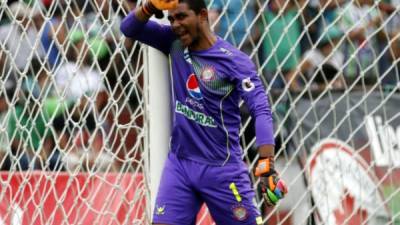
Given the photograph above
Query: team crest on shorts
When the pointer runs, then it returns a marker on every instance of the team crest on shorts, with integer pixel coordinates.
(160, 210)
(240, 212)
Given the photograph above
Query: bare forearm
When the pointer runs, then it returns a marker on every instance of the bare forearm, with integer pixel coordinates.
(141, 15)
(266, 151)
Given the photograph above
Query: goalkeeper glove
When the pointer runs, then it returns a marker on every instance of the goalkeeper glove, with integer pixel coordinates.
(156, 6)
(272, 187)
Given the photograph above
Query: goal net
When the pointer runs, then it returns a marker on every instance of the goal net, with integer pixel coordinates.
(75, 112)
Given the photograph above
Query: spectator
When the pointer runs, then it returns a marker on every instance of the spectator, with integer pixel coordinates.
(124, 131)
(235, 24)
(93, 152)
(103, 22)
(281, 50)
(390, 68)
(321, 14)
(83, 85)
(83, 141)
(26, 129)
(325, 57)
(74, 78)
(19, 38)
(40, 88)
(392, 22)
(65, 16)
(38, 83)
(329, 13)
(51, 156)
(360, 19)
(54, 36)
(391, 76)
(66, 126)
(10, 159)
(62, 142)
(8, 75)
(102, 26)
(30, 137)
(74, 12)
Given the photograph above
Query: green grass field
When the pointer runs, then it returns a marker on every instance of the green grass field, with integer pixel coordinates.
(393, 193)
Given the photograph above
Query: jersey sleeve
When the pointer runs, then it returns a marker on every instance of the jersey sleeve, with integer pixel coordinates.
(252, 91)
(151, 33)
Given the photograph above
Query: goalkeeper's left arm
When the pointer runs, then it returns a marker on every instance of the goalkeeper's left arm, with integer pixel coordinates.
(253, 93)
(272, 187)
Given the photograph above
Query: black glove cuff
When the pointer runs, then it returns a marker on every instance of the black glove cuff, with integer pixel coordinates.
(150, 9)
(270, 173)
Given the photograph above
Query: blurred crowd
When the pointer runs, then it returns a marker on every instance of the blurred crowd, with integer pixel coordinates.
(69, 98)
(315, 44)
(71, 85)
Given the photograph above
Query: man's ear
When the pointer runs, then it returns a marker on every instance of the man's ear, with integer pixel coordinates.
(203, 15)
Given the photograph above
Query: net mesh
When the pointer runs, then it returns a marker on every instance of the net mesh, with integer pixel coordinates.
(72, 109)
(72, 126)
(331, 70)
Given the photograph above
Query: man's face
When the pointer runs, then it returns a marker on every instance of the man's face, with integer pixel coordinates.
(185, 24)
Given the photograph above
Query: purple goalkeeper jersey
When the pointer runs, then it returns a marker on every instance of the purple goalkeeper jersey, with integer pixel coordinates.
(207, 88)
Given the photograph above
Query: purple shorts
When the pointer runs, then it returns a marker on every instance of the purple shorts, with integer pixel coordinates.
(185, 185)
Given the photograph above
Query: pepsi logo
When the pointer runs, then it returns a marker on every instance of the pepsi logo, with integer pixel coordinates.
(193, 87)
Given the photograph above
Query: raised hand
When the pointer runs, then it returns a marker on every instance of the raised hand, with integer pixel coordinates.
(165, 4)
(157, 6)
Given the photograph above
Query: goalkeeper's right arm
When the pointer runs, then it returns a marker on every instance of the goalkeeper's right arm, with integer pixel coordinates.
(155, 7)
(141, 14)
(137, 25)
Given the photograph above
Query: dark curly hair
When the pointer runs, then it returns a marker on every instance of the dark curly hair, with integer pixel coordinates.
(195, 5)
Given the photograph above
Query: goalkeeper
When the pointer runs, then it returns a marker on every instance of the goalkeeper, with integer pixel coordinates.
(210, 77)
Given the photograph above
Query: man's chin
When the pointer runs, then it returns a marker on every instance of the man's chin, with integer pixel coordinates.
(186, 42)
